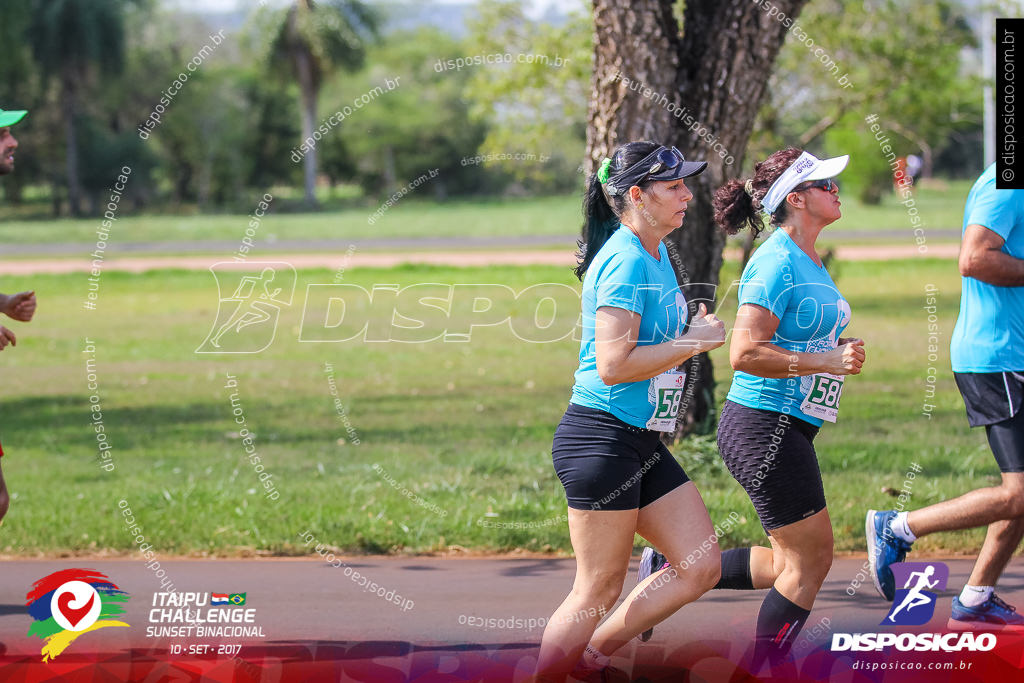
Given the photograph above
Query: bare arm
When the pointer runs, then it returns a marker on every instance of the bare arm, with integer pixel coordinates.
(981, 258)
(619, 359)
(751, 351)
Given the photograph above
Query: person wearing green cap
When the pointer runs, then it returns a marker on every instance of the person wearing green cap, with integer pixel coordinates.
(21, 306)
(7, 142)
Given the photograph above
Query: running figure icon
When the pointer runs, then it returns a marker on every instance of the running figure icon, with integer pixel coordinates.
(247, 318)
(915, 597)
(251, 310)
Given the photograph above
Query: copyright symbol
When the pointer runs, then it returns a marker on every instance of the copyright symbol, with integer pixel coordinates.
(1007, 174)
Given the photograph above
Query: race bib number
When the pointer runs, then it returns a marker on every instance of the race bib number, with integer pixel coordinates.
(822, 401)
(668, 397)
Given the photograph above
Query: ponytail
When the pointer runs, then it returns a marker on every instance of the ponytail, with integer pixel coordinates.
(599, 222)
(734, 209)
(602, 211)
(737, 204)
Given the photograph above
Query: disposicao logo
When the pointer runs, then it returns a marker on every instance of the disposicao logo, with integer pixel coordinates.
(914, 605)
(69, 603)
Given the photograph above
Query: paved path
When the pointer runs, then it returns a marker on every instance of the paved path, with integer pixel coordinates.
(339, 259)
(308, 604)
(404, 243)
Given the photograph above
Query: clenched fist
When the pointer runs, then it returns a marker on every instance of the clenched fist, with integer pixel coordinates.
(20, 306)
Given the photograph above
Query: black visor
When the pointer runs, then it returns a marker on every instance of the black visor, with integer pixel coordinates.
(664, 163)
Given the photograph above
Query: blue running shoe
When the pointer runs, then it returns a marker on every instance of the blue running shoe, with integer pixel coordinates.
(991, 614)
(650, 562)
(884, 548)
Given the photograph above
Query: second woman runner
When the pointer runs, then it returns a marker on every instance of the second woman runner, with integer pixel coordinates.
(790, 364)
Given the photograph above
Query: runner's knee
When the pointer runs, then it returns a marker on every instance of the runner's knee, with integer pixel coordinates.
(1012, 502)
(778, 564)
(706, 572)
(600, 589)
(813, 562)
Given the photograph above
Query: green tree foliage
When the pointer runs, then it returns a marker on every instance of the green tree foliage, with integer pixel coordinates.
(74, 41)
(91, 72)
(537, 104)
(420, 125)
(902, 63)
(20, 88)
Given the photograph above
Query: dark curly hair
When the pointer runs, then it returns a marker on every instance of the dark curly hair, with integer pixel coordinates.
(734, 209)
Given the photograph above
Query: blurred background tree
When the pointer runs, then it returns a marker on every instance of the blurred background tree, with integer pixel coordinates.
(91, 72)
(904, 64)
(76, 42)
(538, 107)
(312, 41)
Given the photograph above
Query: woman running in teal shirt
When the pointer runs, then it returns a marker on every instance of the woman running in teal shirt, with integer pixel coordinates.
(619, 478)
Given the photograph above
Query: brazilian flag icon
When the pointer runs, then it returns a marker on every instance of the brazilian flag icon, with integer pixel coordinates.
(237, 598)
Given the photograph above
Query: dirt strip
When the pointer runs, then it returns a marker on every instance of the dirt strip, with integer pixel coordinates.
(551, 257)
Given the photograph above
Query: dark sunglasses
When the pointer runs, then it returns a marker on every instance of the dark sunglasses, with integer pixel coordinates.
(666, 159)
(664, 163)
(827, 184)
(660, 160)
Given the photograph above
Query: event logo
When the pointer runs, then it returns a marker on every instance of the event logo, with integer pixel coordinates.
(254, 306)
(914, 604)
(69, 603)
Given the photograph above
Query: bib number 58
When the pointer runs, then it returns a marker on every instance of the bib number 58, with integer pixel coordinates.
(822, 401)
(668, 403)
(826, 391)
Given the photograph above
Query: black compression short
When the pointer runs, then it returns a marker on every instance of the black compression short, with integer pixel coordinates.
(607, 464)
(772, 457)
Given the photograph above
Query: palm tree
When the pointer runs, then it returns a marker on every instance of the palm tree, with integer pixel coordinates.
(313, 40)
(74, 40)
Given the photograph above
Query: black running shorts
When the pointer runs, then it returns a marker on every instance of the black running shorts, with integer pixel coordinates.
(995, 400)
(772, 457)
(607, 464)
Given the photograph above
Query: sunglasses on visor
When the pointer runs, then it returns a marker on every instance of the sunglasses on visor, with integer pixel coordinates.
(664, 159)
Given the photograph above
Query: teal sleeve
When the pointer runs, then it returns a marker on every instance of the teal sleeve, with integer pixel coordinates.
(765, 283)
(619, 284)
(995, 209)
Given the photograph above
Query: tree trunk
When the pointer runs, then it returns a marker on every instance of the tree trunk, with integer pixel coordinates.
(68, 109)
(302, 59)
(708, 74)
(390, 177)
(55, 200)
(309, 97)
(14, 191)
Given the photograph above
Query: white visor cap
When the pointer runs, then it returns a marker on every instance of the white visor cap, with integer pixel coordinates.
(806, 167)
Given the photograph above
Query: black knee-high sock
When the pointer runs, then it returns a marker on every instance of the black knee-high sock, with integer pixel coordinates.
(736, 570)
(778, 624)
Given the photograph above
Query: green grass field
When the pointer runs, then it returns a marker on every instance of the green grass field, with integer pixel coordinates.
(453, 438)
(940, 207)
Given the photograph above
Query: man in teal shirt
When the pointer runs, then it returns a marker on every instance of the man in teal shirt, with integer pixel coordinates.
(987, 355)
(21, 306)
